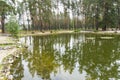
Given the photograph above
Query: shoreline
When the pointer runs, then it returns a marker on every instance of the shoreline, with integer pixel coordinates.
(10, 50)
(38, 33)
(7, 48)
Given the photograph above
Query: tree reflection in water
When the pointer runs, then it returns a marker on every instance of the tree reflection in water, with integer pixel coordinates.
(99, 58)
(47, 56)
(17, 69)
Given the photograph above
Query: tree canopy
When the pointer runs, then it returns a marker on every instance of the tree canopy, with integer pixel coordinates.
(64, 14)
(5, 8)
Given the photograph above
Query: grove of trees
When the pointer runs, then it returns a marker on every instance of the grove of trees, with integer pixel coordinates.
(62, 14)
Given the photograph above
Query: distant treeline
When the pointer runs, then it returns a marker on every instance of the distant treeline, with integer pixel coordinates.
(48, 15)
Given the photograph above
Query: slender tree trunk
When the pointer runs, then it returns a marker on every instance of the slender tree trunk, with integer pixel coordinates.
(105, 17)
(96, 24)
(85, 23)
(68, 23)
(73, 22)
(3, 23)
(119, 18)
(77, 22)
(96, 19)
(41, 24)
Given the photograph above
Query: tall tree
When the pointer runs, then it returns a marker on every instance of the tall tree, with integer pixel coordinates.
(4, 9)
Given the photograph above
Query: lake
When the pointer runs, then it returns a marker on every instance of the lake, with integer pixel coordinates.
(69, 57)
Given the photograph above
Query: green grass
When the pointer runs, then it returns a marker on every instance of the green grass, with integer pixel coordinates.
(1, 67)
(78, 30)
(4, 45)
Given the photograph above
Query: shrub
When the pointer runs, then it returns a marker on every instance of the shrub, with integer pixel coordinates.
(78, 30)
(95, 30)
(13, 28)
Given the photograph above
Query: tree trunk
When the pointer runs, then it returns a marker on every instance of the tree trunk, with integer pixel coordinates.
(104, 28)
(96, 18)
(3, 23)
(119, 18)
(105, 16)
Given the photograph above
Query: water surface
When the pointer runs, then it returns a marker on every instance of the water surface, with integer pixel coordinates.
(69, 57)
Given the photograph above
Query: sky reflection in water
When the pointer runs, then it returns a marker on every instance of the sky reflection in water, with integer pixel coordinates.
(69, 57)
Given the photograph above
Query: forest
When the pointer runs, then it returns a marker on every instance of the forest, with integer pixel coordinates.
(59, 39)
(61, 14)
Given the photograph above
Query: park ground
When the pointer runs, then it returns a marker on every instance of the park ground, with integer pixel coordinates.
(7, 46)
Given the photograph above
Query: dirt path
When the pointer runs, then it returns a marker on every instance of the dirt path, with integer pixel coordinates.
(6, 46)
(34, 33)
(5, 53)
(6, 40)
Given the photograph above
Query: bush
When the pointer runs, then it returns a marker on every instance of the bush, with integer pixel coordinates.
(13, 28)
(95, 30)
(77, 30)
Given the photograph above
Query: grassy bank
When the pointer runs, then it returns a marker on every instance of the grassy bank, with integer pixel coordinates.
(39, 33)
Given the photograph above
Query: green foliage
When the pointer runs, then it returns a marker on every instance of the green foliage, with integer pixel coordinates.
(12, 27)
(6, 7)
(95, 30)
(102, 13)
(47, 15)
(77, 30)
